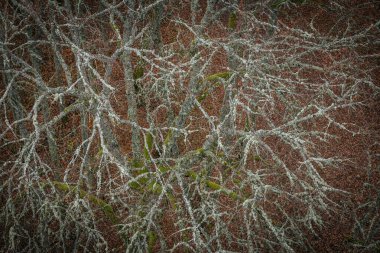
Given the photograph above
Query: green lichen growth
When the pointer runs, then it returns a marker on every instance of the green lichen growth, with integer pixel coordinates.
(232, 20)
(200, 151)
(172, 200)
(214, 79)
(141, 213)
(138, 72)
(149, 145)
(104, 206)
(137, 163)
(236, 181)
(234, 196)
(221, 75)
(151, 238)
(138, 184)
(168, 137)
(134, 185)
(247, 126)
(212, 185)
(146, 154)
(202, 97)
(154, 187)
(61, 186)
(192, 174)
(215, 186)
(109, 212)
(70, 146)
(164, 169)
(149, 140)
(140, 172)
(100, 153)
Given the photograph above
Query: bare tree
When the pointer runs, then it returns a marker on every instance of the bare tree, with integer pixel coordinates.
(195, 126)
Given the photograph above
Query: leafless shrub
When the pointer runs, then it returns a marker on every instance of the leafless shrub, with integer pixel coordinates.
(194, 126)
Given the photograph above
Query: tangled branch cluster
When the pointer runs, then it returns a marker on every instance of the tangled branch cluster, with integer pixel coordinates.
(173, 125)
